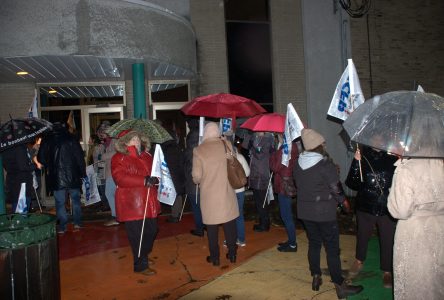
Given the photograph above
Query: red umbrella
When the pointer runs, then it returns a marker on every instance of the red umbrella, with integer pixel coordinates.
(222, 106)
(273, 122)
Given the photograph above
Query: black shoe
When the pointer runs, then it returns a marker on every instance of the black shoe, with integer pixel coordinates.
(215, 262)
(260, 228)
(288, 248)
(173, 220)
(232, 258)
(197, 232)
(316, 283)
(283, 244)
(344, 290)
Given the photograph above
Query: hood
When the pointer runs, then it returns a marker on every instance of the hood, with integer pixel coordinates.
(308, 159)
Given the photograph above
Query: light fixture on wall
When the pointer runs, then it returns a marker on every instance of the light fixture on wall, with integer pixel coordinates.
(52, 91)
(21, 73)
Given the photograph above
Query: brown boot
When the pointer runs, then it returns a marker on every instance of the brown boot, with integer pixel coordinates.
(355, 268)
(344, 290)
(387, 280)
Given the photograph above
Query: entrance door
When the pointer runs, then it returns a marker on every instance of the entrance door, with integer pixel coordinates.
(94, 117)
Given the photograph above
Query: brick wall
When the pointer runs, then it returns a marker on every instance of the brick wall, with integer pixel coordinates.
(208, 19)
(15, 99)
(288, 56)
(406, 46)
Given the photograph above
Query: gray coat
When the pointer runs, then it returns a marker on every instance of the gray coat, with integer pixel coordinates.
(260, 151)
(318, 192)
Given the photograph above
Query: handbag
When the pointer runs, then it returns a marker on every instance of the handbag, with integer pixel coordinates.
(235, 171)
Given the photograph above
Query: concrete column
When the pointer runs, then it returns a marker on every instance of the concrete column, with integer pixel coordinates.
(139, 99)
(2, 190)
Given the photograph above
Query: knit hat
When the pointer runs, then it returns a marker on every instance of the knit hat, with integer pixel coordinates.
(311, 139)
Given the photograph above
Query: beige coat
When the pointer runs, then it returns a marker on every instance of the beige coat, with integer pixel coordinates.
(417, 199)
(217, 198)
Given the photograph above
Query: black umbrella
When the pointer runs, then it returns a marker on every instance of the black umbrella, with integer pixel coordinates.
(21, 131)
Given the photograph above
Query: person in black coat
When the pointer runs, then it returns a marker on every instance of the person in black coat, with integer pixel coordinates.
(371, 207)
(174, 159)
(62, 156)
(19, 167)
(192, 141)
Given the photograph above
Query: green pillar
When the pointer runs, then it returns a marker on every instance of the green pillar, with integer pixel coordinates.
(139, 91)
(2, 189)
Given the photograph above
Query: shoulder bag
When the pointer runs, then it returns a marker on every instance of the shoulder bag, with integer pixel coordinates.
(236, 173)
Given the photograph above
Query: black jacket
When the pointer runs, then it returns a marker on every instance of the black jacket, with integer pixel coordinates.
(192, 141)
(373, 192)
(62, 156)
(174, 159)
(19, 167)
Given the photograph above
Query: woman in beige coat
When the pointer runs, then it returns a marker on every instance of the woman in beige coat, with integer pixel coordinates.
(217, 198)
(416, 199)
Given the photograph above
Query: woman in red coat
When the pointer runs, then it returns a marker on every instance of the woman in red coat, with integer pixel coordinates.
(131, 169)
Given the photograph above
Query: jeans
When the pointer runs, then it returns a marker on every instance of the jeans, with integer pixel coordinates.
(326, 233)
(286, 212)
(196, 211)
(60, 197)
(110, 193)
(240, 222)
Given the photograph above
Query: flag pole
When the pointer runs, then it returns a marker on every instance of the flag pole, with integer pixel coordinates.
(143, 222)
(183, 206)
(268, 188)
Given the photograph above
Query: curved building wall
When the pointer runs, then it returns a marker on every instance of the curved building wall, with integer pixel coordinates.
(114, 28)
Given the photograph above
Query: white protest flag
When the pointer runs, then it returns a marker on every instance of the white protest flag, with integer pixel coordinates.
(90, 192)
(348, 94)
(32, 111)
(293, 128)
(22, 207)
(166, 192)
(420, 89)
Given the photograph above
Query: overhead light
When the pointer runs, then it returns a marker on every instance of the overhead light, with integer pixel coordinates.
(22, 73)
(52, 91)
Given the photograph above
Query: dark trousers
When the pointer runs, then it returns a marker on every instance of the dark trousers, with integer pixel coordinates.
(133, 230)
(264, 218)
(230, 233)
(386, 229)
(326, 233)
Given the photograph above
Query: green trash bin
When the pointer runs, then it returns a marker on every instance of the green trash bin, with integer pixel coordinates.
(29, 263)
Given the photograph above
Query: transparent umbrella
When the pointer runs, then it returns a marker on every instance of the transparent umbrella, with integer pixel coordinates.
(406, 123)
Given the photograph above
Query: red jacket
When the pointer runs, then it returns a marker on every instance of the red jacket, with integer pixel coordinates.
(129, 171)
(283, 176)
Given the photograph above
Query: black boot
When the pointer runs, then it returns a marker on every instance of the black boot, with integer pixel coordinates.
(344, 290)
(232, 258)
(215, 261)
(317, 282)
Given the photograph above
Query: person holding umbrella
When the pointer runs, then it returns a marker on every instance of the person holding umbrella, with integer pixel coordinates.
(19, 167)
(377, 169)
(136, 196)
